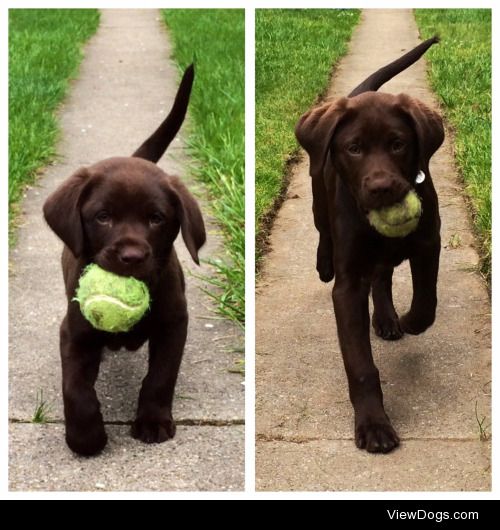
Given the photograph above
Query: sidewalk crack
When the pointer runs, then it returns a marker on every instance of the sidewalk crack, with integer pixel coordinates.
(187, 422)
(305, 440)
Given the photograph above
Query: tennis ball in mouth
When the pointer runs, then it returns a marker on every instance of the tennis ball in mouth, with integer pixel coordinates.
(110, 302)
(397, 220)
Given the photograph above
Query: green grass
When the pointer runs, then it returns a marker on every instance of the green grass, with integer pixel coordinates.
(460, 74)
(42, 409)
(44, 53)
(295, 54)
(484, 435)
(215, 40)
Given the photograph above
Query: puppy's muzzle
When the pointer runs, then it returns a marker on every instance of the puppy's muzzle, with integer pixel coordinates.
(382, 189)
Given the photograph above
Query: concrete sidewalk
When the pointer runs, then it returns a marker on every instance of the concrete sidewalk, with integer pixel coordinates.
(431, 382)
(126, 86)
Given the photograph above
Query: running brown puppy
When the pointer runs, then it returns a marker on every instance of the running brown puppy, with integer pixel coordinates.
(367, 151)
(124, 215)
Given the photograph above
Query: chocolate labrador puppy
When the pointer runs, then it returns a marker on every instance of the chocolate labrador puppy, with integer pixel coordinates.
(366, 152)
(124, 214)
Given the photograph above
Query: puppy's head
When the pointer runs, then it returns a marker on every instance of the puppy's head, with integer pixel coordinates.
(378, 143)
(124, 214)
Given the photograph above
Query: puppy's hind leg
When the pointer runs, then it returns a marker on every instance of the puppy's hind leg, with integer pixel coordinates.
(424, 271)
(385, 320)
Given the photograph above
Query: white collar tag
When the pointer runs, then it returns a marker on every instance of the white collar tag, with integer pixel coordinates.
(420, 177)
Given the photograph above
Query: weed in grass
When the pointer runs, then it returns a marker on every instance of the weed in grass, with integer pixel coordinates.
(455, 241)
(460, 74)
(216, 139)
(239, 367)
(42, 409)
(44, 53)
(483, 429)
(296, 51)
(187, 398)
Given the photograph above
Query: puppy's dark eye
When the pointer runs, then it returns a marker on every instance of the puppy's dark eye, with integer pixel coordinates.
(103, 217)
(156, 219)
(354, 149)
(397, 146)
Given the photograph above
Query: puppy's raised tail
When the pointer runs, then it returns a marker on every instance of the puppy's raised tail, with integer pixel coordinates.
(154, 147)
(378, 78)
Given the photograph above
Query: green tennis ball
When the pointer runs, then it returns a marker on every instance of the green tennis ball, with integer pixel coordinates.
(110, 302)
(397, 220)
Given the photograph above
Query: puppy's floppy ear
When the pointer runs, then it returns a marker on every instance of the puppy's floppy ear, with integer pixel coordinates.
(428, 126)
(62, 210)
(315, 130)
(192, 226)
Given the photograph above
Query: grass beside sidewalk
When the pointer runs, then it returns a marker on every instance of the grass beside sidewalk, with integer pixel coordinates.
(295, 52)
(460, 74)
(44, 54)
(215, 40)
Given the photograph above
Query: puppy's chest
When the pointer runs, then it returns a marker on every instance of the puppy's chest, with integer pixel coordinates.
(131, 340)
(391, 252)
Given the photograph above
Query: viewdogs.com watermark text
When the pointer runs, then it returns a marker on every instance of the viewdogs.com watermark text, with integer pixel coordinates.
(419, 515)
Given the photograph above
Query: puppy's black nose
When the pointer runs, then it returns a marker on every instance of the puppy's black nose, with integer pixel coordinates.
(380, 186)
(381, 190)
(133, 255)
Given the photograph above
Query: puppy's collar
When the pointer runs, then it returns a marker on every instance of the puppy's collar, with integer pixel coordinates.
(420, 177)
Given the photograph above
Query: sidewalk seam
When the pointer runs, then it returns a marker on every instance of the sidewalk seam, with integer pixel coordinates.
(299, 441)
(185, 422)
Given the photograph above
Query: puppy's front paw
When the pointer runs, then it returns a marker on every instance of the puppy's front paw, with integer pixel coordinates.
(387, 328)
(376, 436)
(86, 440)
(153, 431)
(414, 323)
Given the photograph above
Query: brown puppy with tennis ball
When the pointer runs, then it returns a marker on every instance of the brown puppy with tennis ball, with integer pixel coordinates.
(374, 206)
(123, 215)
